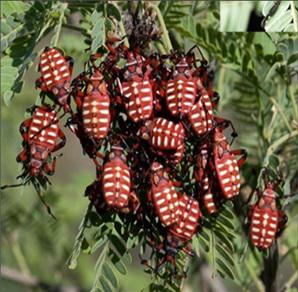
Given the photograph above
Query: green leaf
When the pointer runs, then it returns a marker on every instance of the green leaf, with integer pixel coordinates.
(108, 273)
(293, 58)
(282, 18)
(112, 10)
(73, 259)
(118, 264)
(98, 33)
(118, 244)
(229, 15)
(224, 268)
(13, 7)
(225, 254)
(105, 285)
(9, 31)
(8, 74)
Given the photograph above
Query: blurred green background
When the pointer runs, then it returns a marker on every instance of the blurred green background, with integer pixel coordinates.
(256, 76)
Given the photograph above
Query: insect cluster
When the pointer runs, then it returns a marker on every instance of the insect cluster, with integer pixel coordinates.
(159, 150)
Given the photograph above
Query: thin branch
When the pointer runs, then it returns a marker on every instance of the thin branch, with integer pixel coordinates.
(284, 118)
(73, 27)
(271, 149)
(294, 102)
(59, 25)
(290, 282)
(165, 32)
(259, 285)
(33, 282)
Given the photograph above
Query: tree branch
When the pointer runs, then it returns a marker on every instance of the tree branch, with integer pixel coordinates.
(33, 282)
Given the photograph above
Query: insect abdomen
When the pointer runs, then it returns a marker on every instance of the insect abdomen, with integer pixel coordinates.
(116, 184)
(181, 94)
(263, 227)
(140, 104)
(96, 115)
(43, 129)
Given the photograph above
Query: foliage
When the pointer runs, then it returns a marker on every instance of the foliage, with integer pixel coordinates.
(284, 16)
(255, 75)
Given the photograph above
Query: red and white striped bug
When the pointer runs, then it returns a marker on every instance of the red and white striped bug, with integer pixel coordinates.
(226, 164)
(116, 182)
(205, 178)
(181, 90)
(136, 90)
(201, 114)
(189, 216)
(163, 195)
(165, 135)
(94, 107)
(56, 70)
(266, 221)
(40, 134)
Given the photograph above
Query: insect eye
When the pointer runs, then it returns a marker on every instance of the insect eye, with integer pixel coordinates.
(165, 175)
(112, 155)
(123, 157)
(55, 90)
(145, 136)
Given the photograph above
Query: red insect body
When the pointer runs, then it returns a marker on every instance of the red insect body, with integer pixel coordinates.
(164, 196)
(56, 71)
(165, 135)
(137, 91)
(95, 107)
(202, 175)
(116, 180)
(209, 200)
(181, 90)
(265, 219)
(226, 165)
(41, 133)
(140, 104)
(189, 215)
(201, 115)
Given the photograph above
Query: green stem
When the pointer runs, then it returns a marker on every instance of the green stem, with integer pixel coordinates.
(17, 252)
(281, 113)
(221, 80)
(294, 103)
(123, 33)
(291, 281)
(294, 14)
(279, 142)
(56, 37)
(257, 282)
(75, 28)
(165, 33)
